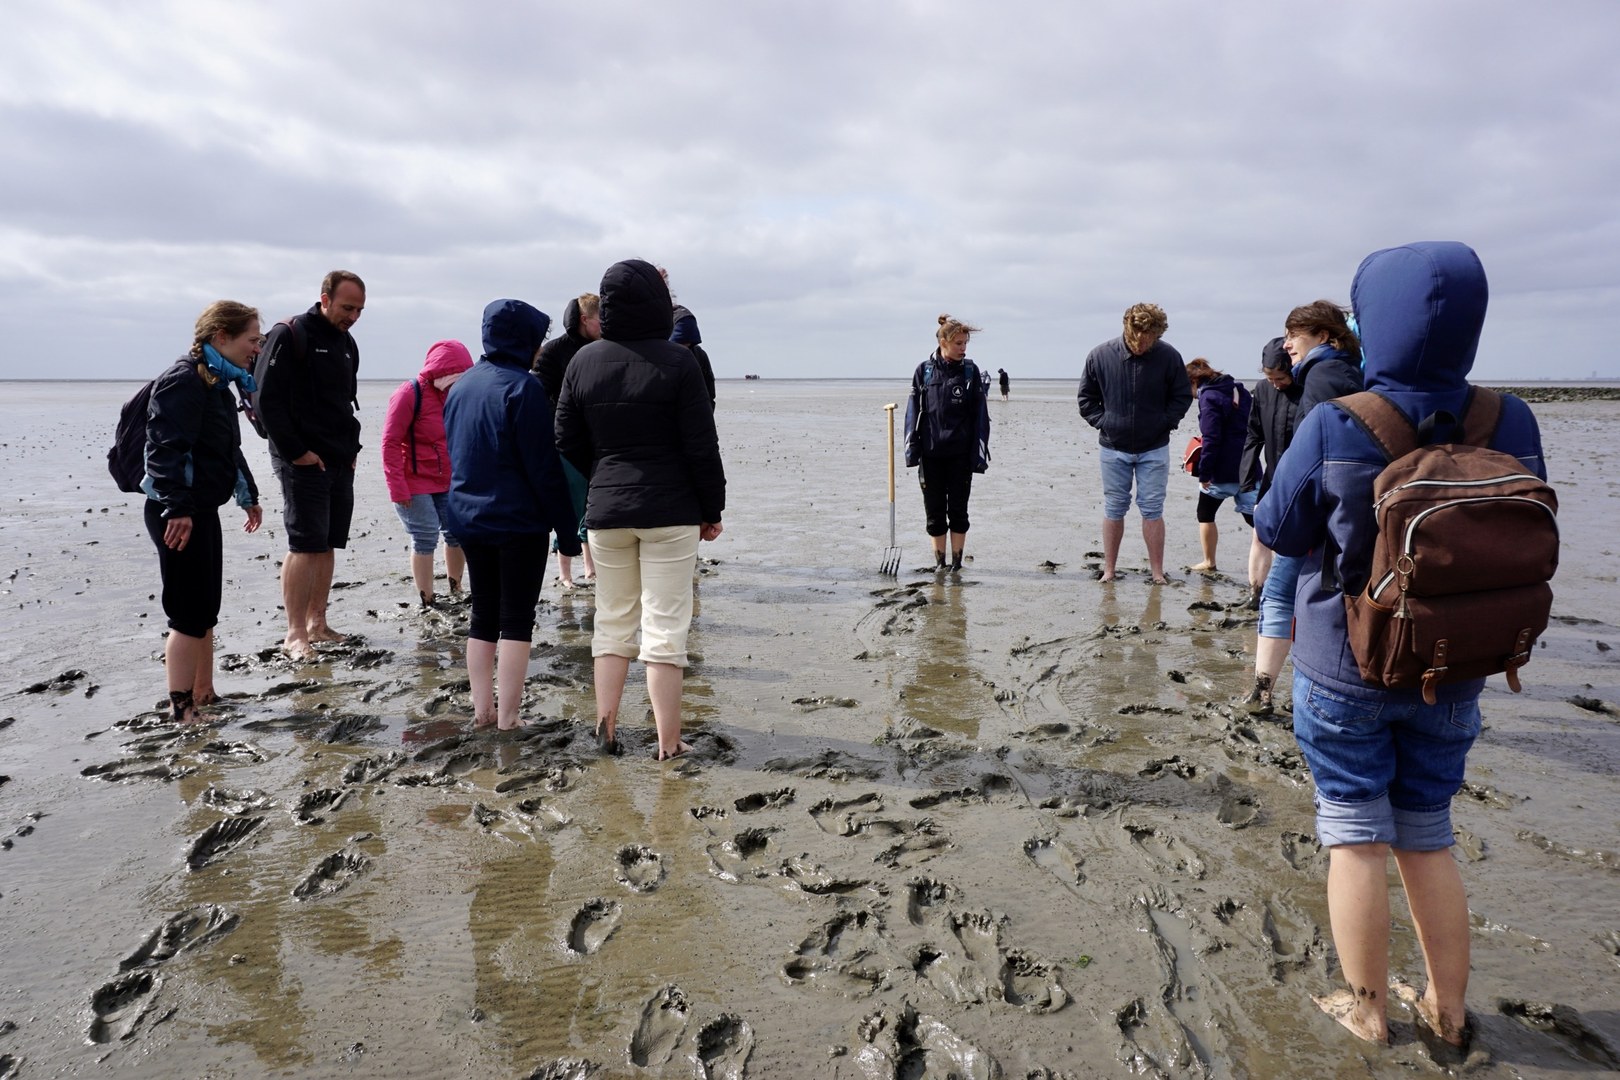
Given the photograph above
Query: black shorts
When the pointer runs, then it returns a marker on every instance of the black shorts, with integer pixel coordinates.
(946, 482)
(192, 576)
(317, 505)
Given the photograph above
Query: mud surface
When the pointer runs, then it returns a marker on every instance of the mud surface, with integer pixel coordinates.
(1005, 824)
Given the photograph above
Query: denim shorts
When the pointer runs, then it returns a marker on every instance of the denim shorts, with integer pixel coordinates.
(1385, 770)
(424, 519)
(1277, 597)
(1242, 501)
(1150, 471)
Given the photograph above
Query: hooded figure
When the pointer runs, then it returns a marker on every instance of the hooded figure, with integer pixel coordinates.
(1386, 766)
(634, 417)
(506, 480)
(557, 354)
(1420, 309)
(415, 457)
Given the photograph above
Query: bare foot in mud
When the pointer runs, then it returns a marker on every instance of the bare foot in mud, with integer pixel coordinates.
(1203, 568)
(1341, 1005)
(1106, 577)
(298, 650)
(324, 633)
(516, 725)
(204, 695)
(482, 722)
(681, 750)
(1432, 1026)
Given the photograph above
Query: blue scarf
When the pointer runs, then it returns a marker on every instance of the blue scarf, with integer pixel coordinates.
(227, 370)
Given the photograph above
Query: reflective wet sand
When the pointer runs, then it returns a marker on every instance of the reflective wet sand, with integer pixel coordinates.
(985, 826)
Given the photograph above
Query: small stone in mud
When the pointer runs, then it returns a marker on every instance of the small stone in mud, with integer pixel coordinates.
(7, 722)
(703, 813)
(824, 701)
(63, 681)
(1590, 704)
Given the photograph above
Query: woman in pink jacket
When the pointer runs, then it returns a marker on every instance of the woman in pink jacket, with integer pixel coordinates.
(416, 463)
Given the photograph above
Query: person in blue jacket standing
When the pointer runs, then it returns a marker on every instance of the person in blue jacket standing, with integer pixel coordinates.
(507, 495)
(947, 436)
(1385, 764)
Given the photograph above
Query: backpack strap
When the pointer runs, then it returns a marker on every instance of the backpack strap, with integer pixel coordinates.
(1482, 412)
(1385, 425)
(416, 384)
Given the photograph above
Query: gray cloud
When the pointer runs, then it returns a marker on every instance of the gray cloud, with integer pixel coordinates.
(822, 179)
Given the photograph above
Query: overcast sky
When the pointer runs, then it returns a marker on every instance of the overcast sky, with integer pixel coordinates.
(821, 179)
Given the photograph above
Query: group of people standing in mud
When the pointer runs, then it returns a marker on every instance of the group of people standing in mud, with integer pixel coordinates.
(491, 455)
(1386, 762)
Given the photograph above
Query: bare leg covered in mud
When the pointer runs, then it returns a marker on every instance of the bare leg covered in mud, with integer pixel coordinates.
(1153, 537)
(610, 673)
(1113, 534)
(181, 653)
(1358, 907)
(1439, 904)
(202, 683)
(664, 689)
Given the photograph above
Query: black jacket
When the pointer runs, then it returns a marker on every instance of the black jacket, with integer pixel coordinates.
(556, 354)
(308, 402)
(1326, 375)
(1134, 402)
(193, 442)
(634, 415)
(686, 332)
(1271, 429)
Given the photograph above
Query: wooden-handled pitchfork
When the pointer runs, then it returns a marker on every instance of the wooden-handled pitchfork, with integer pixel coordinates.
(891, 554)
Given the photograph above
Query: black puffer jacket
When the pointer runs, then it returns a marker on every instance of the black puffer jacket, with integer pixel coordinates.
(307, 402)
(191, 428)
(558, 353)
(634, 414)
(1271, 429)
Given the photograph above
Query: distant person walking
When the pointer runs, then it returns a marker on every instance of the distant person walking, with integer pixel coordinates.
(947, 436)
(194, 464)
(309, 407)
(1134, 392)
(1386, 765)
(1006, 383)
(1223, 423)
(507, 493)
(634, 417)
(582, 324)
(416, 464)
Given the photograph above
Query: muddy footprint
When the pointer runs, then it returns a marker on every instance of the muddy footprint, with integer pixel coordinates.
(912, 1044)
(662, 1027)
(738, 858)
(837, 816)
(847, 955)
(815, 879)
(1566, 1026)
(313, 807)
(925, 896)
(332, 874)
(593, 924)
(120, 1007)
(640, 868)
(185, 930)
(220, 839)
(762, 800)
(723, 1047)
(1056, 858)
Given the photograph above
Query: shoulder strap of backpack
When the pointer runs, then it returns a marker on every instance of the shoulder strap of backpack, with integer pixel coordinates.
(1482, 412)
(1385, 425)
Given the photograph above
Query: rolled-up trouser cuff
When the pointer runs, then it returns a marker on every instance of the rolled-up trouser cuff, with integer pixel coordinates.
(1423, 830)
(1346, 823)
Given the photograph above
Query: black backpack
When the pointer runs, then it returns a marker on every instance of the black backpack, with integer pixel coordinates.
(250, 402)
(127, 458)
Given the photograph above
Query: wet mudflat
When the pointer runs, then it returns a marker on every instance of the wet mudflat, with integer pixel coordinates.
(1005, 824)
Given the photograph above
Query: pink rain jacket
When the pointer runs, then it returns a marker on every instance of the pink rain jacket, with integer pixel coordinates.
(432, 472)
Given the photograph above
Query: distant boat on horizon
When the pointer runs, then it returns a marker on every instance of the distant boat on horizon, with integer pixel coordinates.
(751, 376)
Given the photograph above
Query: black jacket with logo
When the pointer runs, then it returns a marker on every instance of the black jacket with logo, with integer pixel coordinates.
(307, 401)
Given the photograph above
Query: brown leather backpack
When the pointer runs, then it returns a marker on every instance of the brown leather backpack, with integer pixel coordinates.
(1467, 542)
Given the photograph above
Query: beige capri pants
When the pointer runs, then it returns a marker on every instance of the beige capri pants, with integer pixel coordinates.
(644, 582)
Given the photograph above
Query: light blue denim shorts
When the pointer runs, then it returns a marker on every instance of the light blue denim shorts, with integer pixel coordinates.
(1150, 473)
(424, 519)
(1385, 770)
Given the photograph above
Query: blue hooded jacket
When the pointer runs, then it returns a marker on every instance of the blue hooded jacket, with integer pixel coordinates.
(506, 480)
(1420, 308)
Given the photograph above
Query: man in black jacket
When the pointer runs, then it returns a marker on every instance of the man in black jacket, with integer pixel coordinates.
(308, 405)
(1134, 392)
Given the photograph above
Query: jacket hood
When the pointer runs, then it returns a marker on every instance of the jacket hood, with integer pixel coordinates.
(635, 303)
(1419, 310)
(1273, 357)
(513, 330)
(571, 319)
(445, 358)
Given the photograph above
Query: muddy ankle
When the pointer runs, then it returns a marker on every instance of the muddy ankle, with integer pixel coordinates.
(956, 560)
(183, 708)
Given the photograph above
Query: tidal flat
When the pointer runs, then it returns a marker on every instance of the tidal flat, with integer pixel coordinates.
(1002, 825)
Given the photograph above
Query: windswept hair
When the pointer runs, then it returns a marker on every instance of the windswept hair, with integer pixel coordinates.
(229, 316)
(949, 327)
(1144, 319)
(1200, 372)
(589, 304)
(330, 283)
(1325, 317)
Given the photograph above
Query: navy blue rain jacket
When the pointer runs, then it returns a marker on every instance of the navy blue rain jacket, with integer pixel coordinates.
(948, 414)
(1223, 424)
(506, 480)
(1420, 310)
